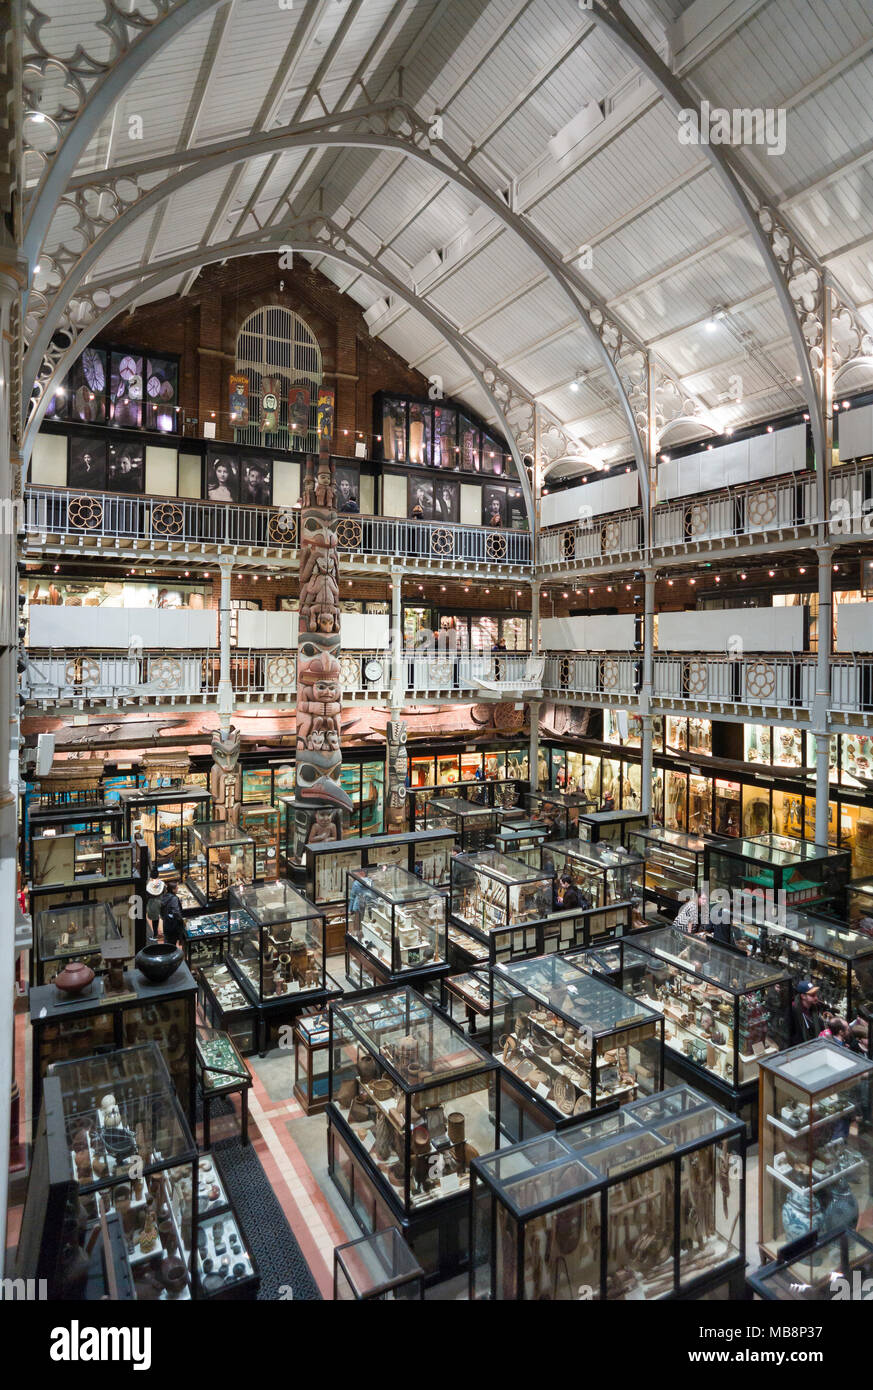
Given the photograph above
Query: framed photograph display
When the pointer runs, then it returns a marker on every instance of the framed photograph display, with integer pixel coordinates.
(419, 433)
(222, 476)
(446, 500)
(445, 437)
(421, 499)
(118, 860)
(348, 488)
(125, 468)
(516, 515)
(86, 466)
(469, 444)
(161, 393)
(494, 505)
(125, 390)
(256, 481)
(299, 399)
(86, 388)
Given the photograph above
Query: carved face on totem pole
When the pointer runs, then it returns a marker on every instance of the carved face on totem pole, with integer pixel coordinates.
(398, 766)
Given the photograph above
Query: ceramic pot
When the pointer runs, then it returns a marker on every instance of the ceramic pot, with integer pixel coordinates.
(158, 961)
(801, 1215)
(172, 1274)
(457, 1127)
(841, 1211)
(74, 978)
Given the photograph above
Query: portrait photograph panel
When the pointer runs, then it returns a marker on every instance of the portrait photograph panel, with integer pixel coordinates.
(222, 475)
(125, 468)
(493, 506)
(257, 481)
(421, 499)
(87, 464)
(348, 488)
(446, 500)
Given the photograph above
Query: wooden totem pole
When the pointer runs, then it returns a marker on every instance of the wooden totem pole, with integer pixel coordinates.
(319, 799)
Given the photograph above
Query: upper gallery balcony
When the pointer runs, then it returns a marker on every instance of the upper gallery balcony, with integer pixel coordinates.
(61, 521)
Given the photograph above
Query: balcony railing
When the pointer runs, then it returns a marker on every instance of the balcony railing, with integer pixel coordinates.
(760, 679)
(606, 538)
(598, 676)
(187, 677)
(852, 685)
(170, 523)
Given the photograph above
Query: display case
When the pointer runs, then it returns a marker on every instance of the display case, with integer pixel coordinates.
(645, 1203)
(473, 827)
(426, 853)
(412, 1102)
(262, 823)
(614, 826)
(602, 873)
(114, 1124)
(796, 873)
(674, 864)
(81, 855)
(93, 819)
(817, 1271)
(522, 841)
(221, 1072)
(396, 919)
(219, 857)
(226, 1008)
(571, 1041)
(491, 892)
(860, 905)
(378, 1268)
(96, 1021)
(723, 1013)
(161, 818)
(838, 960)
(75, 933)
(558, 812)
(312, 1062)
(816, 1143)
(279, 950)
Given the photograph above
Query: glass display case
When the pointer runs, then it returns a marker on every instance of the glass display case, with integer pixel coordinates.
(723, 1013)
(602, 873)
(521, 840)
(838, 960)
(821, 1271)
(426, 853)
(74, 933)
(74, 856)
(504, 907)
(226, 1008)
(571, 1040)
(262, 823)
(674, 864)
(312, 1062)
(279, 950)
(644, 1203)
(803, 872)
(221, 1072)
(129, 1147)
(558, 812)
(816, 1143)
(860, 905)
(219, 858)
(396, 919)
(161, 818)
(416, 1098)
(379, 1268)
(95, 1021)
(596, 826)
(85, 817)
(473, 826)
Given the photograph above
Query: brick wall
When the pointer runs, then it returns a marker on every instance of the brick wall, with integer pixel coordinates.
(202, 329)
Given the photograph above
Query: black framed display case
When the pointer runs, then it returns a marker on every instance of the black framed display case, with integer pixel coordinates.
(815, 1143)
(811, 1270)
(860, 905)
(278, 952)
(221, 1071)
(646, 1203)
(113, 1124)
(820, 949)
(91, 818)
(807, 874)
(66, 1029)
(723, 1013)
(397, 920)
(75, 933)
(467, 1001)
(426, 853)
(312, 1062)
(220, 857)
(521, 840)
(558, 812)
(569, 1042)
(161, 818)
(226, 1008)
(262, 823)
(472, 826)
(378, 1268)
(674, 864)
(412, 1102)
(603, 874)
(491, 892)
(597, 826)
(506, 795)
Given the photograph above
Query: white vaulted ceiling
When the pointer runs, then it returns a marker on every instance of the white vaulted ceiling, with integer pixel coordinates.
(667, 242)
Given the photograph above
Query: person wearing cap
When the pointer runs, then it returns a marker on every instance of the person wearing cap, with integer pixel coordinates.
(806, 1019)
(154, 889)
(171, 915)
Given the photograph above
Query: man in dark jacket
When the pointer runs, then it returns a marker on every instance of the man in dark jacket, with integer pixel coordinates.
(806, 1019)
(171, 915)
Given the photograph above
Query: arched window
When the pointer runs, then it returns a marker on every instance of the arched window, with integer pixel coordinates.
(276, 342)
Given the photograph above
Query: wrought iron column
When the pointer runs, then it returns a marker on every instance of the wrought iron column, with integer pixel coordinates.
(225, 686)
(821, 704)
(647, 690)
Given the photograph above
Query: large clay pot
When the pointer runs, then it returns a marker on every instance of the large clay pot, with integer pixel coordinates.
(74, 978)
(158, 961)
(172, 1274)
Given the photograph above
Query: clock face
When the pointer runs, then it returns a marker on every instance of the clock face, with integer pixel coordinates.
(93, 369)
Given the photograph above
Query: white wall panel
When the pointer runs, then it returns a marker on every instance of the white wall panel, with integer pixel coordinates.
(600, 633)
(596, 498)
(393, 495)
(738, 461)
(48, 464)
(732, 629)
(190, 471)
(118, 627)
(856, 432)
(855, 627)
(160, 471)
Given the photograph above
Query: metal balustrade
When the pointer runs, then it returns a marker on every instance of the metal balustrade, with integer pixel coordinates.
(186, 677)
(167, 523)
(759, 679)
(851, 500)
(608, 538)
(851, 685)
(599, 676)
(764, 507)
